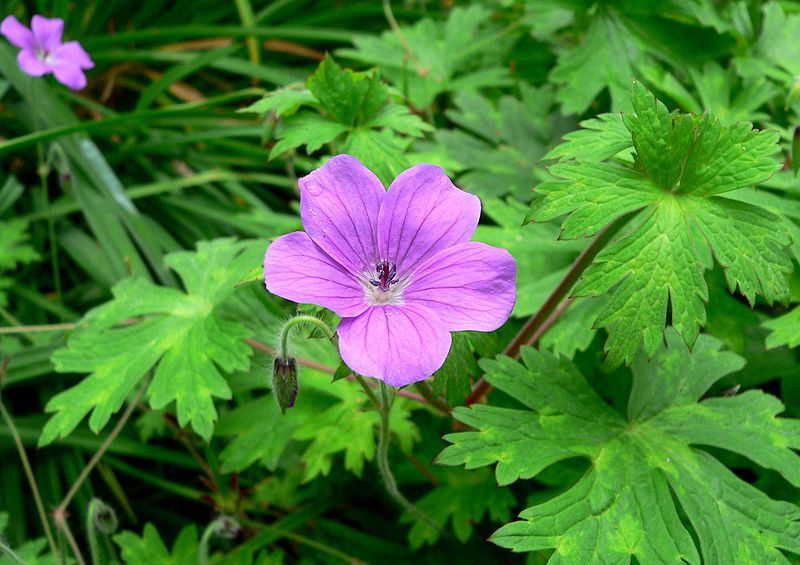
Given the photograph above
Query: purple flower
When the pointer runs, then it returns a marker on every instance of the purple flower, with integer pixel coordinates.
(396, 265)
(42, 51)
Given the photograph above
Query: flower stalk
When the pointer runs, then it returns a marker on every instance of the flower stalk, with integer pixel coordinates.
(284, 373)
(390, 483)
(101, 521)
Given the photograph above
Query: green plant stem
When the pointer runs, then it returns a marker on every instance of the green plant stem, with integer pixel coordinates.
(531, 331)
(60, 513)
(283, 341)
(202, 549)
(4, 549)
(61, 509)
(37, 329)
(43, 171)
(382, 459)
(368, 389)
(387, 10)
(91, 531)
(26, 466)
(248, 19)
(76, 550)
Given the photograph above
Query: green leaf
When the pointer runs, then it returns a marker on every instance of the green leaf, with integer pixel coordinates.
(785, 330)
(349, 425)
(356, 110)
(149, 548)
(179, 335)
(604, 59)
(382, 152)
(574, 330)
(643, 467)
(464, 52)
(261, 434)
(537, 273)
(342, 372)
(716, 86)
(499, 147)
(311, 130)
(682, 164)
(14, 251)
(463, 501)
(776, 46)
(282, 102)
(453, 380)
(598, 139)
(352, 98)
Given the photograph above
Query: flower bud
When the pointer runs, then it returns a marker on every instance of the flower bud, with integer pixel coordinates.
(227, 528)
(284, 382)
(796, 150)
(105, 519)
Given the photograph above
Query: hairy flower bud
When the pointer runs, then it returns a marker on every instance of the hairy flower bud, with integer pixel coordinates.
(104, 517)
(228, 528)
(284, 382)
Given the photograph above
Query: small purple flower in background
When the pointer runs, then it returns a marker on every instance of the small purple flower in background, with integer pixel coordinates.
(42, 51)
(397, 265)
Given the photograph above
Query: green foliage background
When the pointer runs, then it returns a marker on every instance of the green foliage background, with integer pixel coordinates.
(655, 420)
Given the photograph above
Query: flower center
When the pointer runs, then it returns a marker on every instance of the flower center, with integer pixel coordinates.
(385, 287)
(387, 275)
(43, 55)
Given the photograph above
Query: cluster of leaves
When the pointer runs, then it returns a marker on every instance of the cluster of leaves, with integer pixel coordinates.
(622, 506)
(349, 110)
(640, 429)
(671, 192)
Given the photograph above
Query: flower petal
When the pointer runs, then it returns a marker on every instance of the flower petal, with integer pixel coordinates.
(71, 53)
(47, 32)
(31, 65)
(70, 75)
(398, 344)
(339, 204)
(423, 213)
(17, 34)
(470, 286)
(296, 268)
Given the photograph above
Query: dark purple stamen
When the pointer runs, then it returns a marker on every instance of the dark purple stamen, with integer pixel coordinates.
(386, 275)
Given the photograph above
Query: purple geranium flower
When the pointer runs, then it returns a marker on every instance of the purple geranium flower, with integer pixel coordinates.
(396, 265)
(43, 52)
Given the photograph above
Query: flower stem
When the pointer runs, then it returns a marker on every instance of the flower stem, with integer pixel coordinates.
(531, 331)
(387, 11)
(43, 171)
(37, 497)
(283, 342)
(368, 389)
(383, 462)
(91, 531)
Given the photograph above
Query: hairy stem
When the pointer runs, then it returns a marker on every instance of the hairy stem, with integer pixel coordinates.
(383, 463)
(91, 531)
(283, 341)
(532, 330)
